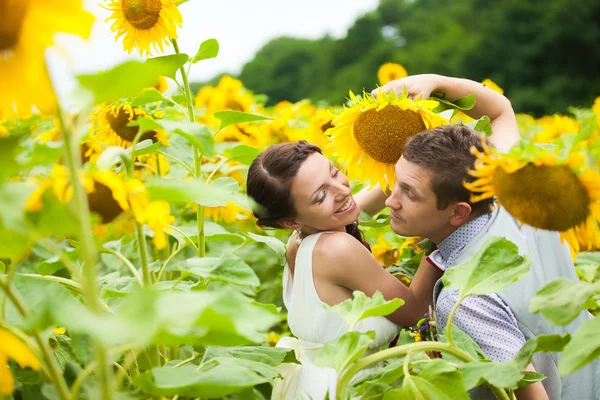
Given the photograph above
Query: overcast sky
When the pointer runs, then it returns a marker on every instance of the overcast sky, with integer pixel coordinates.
(241, 26)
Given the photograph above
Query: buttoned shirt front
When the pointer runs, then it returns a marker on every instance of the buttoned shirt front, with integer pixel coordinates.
(487, 319)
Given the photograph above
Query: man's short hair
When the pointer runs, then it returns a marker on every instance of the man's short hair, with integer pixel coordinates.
(446, 152)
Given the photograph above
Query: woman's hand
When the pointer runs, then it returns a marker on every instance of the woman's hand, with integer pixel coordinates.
(416, 85)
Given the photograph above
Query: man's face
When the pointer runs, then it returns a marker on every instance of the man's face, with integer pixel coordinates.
(413, 205)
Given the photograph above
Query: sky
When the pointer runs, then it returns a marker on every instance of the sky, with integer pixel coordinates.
(242, 27)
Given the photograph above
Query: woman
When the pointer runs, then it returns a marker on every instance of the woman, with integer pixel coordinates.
(298, 188)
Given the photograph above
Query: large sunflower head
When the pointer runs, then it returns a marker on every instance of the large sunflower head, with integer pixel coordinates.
(525, 185)
(110, 126)
(369, 136)
(229, 94)
(390, 72)
(26, 29)
(146, 25)
(555, 126)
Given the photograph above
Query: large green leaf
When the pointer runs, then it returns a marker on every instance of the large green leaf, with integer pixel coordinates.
(543, 343)
(150, 95)
(464, 341)
(8, 165)
(243, 153)
(502, 375)
(375, 384)
(438, 380)
(560, 301)
(179, 191)
(224, 269)
(223, 318)
(583, 348)
(273, 243)
(236, 117)
(198, 135)
(215, 379)
(343, 352)
(361, 307)
(13, 196)
(482, 124)
(130, 77)
(208, 49)
(495, 266)
(272, 356)
(462, 103)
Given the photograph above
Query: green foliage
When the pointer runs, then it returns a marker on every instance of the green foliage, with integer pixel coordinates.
(495, 266)
(208, 49)
(362, 306)
(236, 117)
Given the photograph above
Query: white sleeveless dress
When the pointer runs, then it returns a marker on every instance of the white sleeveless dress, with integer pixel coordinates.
(314, 325)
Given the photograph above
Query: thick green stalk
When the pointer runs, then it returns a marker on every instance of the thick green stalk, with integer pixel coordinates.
(365, 362)
(88, 249)
(197, 156)
(449, 324)
(47, 355)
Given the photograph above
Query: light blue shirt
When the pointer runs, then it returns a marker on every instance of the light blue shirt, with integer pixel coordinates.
(487, 319)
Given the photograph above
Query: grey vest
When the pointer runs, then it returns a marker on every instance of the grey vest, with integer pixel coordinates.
(550, 259)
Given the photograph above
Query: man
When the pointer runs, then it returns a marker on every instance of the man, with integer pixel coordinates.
(429, 200)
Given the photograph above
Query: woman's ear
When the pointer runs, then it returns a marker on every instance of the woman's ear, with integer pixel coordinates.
(289, 224)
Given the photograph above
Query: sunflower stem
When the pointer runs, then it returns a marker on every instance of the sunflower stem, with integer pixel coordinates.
(47, 355)
(197, 154)
(88, 247)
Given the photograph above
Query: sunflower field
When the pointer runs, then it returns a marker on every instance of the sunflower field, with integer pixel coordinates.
(131, 266)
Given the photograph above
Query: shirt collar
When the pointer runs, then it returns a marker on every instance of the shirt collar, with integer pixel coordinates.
(450, 247)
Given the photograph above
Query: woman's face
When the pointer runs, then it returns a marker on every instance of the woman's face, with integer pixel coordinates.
(322, 197)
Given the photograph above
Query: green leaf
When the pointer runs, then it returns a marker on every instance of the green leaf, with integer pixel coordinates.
(361, 307)
(217, 378)
(208, 49)
(9, 145)
(587, 127)
(212, 231)
(495, 266)
(244, 154)
(530, 377)
(438, 380)
(560, 301)
(198, 135)
(344, 351)
(150, 95)
(463, 341)
(407, 268)
(130, 77)
(543, 343)
(231, 270)
(144, 147)
(272, 356)
(375, 384)
(583, 348)
(179, 192)
(207, 318)
(463, 103)
(110, 156)
(502, 375)
(235, 117)
(273, 243)
(483, 124)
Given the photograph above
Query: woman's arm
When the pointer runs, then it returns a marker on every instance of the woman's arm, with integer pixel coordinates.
(350, 265)
(371, 200)
(488, 102)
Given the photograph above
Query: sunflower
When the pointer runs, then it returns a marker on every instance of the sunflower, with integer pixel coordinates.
(109, 126)
(146, 25)
(109, 196)
(318, 127)
(11, 346)
(229, 94)
(390, 72)
(384, 252)
(492, 85)
(555, 126)
(525, 185)
(26, 29)
(369, 136)
(228, 214)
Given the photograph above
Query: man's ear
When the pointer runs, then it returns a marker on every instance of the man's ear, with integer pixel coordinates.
(461, 212)
(289, 224)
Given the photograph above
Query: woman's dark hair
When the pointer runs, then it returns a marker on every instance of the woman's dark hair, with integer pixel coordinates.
(270, 180)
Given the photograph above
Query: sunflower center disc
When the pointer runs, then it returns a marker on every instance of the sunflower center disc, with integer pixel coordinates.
(529, 194)
(119, 126)
(103, 203)
(382, 134)
(12, 14)
(143, 14)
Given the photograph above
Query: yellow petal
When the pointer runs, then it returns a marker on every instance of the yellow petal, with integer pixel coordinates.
(17, 350)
